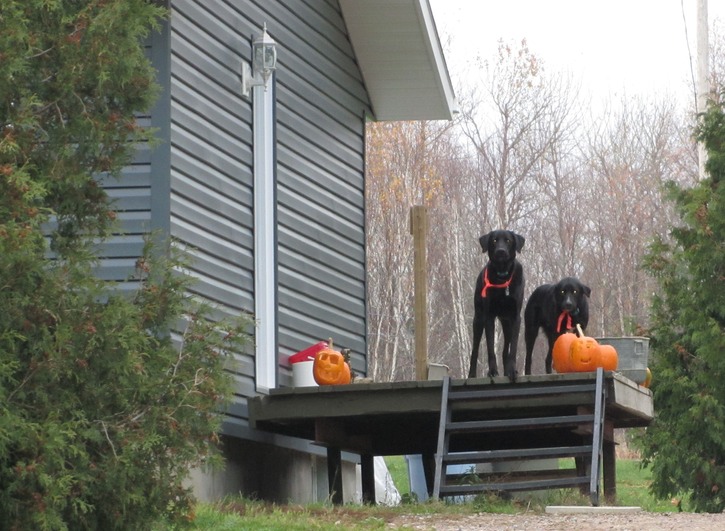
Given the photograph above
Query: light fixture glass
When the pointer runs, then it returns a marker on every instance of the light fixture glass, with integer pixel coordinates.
(264, 53)
(264, 62)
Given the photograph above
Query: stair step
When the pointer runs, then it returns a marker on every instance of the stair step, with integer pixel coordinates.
(526, 423)
(513, 392)
(471, 476)
(490, 456)
(512, 486)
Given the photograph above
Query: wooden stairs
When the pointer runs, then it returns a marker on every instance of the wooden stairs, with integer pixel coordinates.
(564, 420)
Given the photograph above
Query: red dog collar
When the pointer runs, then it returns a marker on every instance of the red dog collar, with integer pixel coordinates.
(488, 284)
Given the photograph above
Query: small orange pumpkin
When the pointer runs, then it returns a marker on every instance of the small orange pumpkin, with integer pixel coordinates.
(648, 378)
(560, 352)
(330, 367)
(608, 358)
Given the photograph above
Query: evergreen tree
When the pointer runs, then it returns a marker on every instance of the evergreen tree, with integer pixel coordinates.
(685, 445)
(107, 396)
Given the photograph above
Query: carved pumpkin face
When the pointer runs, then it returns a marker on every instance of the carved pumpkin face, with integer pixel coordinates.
(330, 368)
(584, 354)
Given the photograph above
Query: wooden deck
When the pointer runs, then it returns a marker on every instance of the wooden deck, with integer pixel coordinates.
(400, 418)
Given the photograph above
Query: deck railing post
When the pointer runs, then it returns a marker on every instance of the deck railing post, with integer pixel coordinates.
(419, 229)
(597, 437)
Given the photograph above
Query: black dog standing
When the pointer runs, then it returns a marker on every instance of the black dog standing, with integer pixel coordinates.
(555, 308)
(499, 294)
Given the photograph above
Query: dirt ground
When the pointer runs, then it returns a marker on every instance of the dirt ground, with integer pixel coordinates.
(639, 521)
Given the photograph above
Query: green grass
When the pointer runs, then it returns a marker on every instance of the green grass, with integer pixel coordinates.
(240, 514)
(398, 468)
(244, 515)
(632, 485)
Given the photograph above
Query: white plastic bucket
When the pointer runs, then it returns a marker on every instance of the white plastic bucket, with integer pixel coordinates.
(302, 362)
(302, 374)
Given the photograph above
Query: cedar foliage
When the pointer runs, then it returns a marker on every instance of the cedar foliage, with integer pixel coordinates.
(685, 445)
(107, 396)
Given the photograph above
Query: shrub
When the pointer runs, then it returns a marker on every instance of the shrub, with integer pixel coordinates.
(685, 445)
(104, 408)
(109, 392)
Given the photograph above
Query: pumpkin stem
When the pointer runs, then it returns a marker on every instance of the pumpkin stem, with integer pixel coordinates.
(329, 342)
(579, 329)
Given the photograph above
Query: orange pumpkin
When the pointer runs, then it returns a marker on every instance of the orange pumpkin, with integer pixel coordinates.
(330, 368)
(608, 358)
(560, 352)
(648, 378)
(584, 354)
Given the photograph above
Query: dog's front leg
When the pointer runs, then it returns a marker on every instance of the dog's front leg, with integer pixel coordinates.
(511, 350)
(478, 319)
(551, 339)
(530, 333)
(490, 328)
(547, 362)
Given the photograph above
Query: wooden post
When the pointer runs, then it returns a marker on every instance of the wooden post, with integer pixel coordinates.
(609, 464)
(334, 474)
(703, 75)
(419, 228)
(367, 478)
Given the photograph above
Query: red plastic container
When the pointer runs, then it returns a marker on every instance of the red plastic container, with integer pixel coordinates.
(309, 353)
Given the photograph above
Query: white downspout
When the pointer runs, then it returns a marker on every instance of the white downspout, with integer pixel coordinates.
(264, 238)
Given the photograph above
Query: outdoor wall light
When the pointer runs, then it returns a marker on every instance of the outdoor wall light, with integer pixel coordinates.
(264, 62)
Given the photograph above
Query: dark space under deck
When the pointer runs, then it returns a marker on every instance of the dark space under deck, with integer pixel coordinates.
(401, 418)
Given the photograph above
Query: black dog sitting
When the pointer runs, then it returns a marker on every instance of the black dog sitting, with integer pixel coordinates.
(499, 294)
(555, 308)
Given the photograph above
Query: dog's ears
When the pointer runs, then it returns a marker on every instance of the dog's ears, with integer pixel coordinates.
(483, 240)
(587, 290)
(520, 240)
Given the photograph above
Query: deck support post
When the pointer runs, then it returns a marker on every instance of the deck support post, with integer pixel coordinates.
(367, 478)
(334, 474)
(609, 471)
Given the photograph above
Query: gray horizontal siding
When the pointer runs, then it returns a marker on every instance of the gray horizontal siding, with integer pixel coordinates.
(320, 105)
(211, 195)
(321, 102)
(211, 198)
(131, 194)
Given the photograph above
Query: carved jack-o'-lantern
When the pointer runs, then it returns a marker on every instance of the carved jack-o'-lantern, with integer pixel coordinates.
(572, 353)
(330, 368)
(584, 354)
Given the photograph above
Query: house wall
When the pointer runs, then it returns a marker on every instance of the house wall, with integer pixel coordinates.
(197, 186)
(320, 105)
(272, 473)
(321, 102)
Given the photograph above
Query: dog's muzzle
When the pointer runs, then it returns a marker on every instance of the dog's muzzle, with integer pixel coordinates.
(568, 305)
(501, 254)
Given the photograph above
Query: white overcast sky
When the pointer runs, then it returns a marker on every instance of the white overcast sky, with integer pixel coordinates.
(611, 46)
